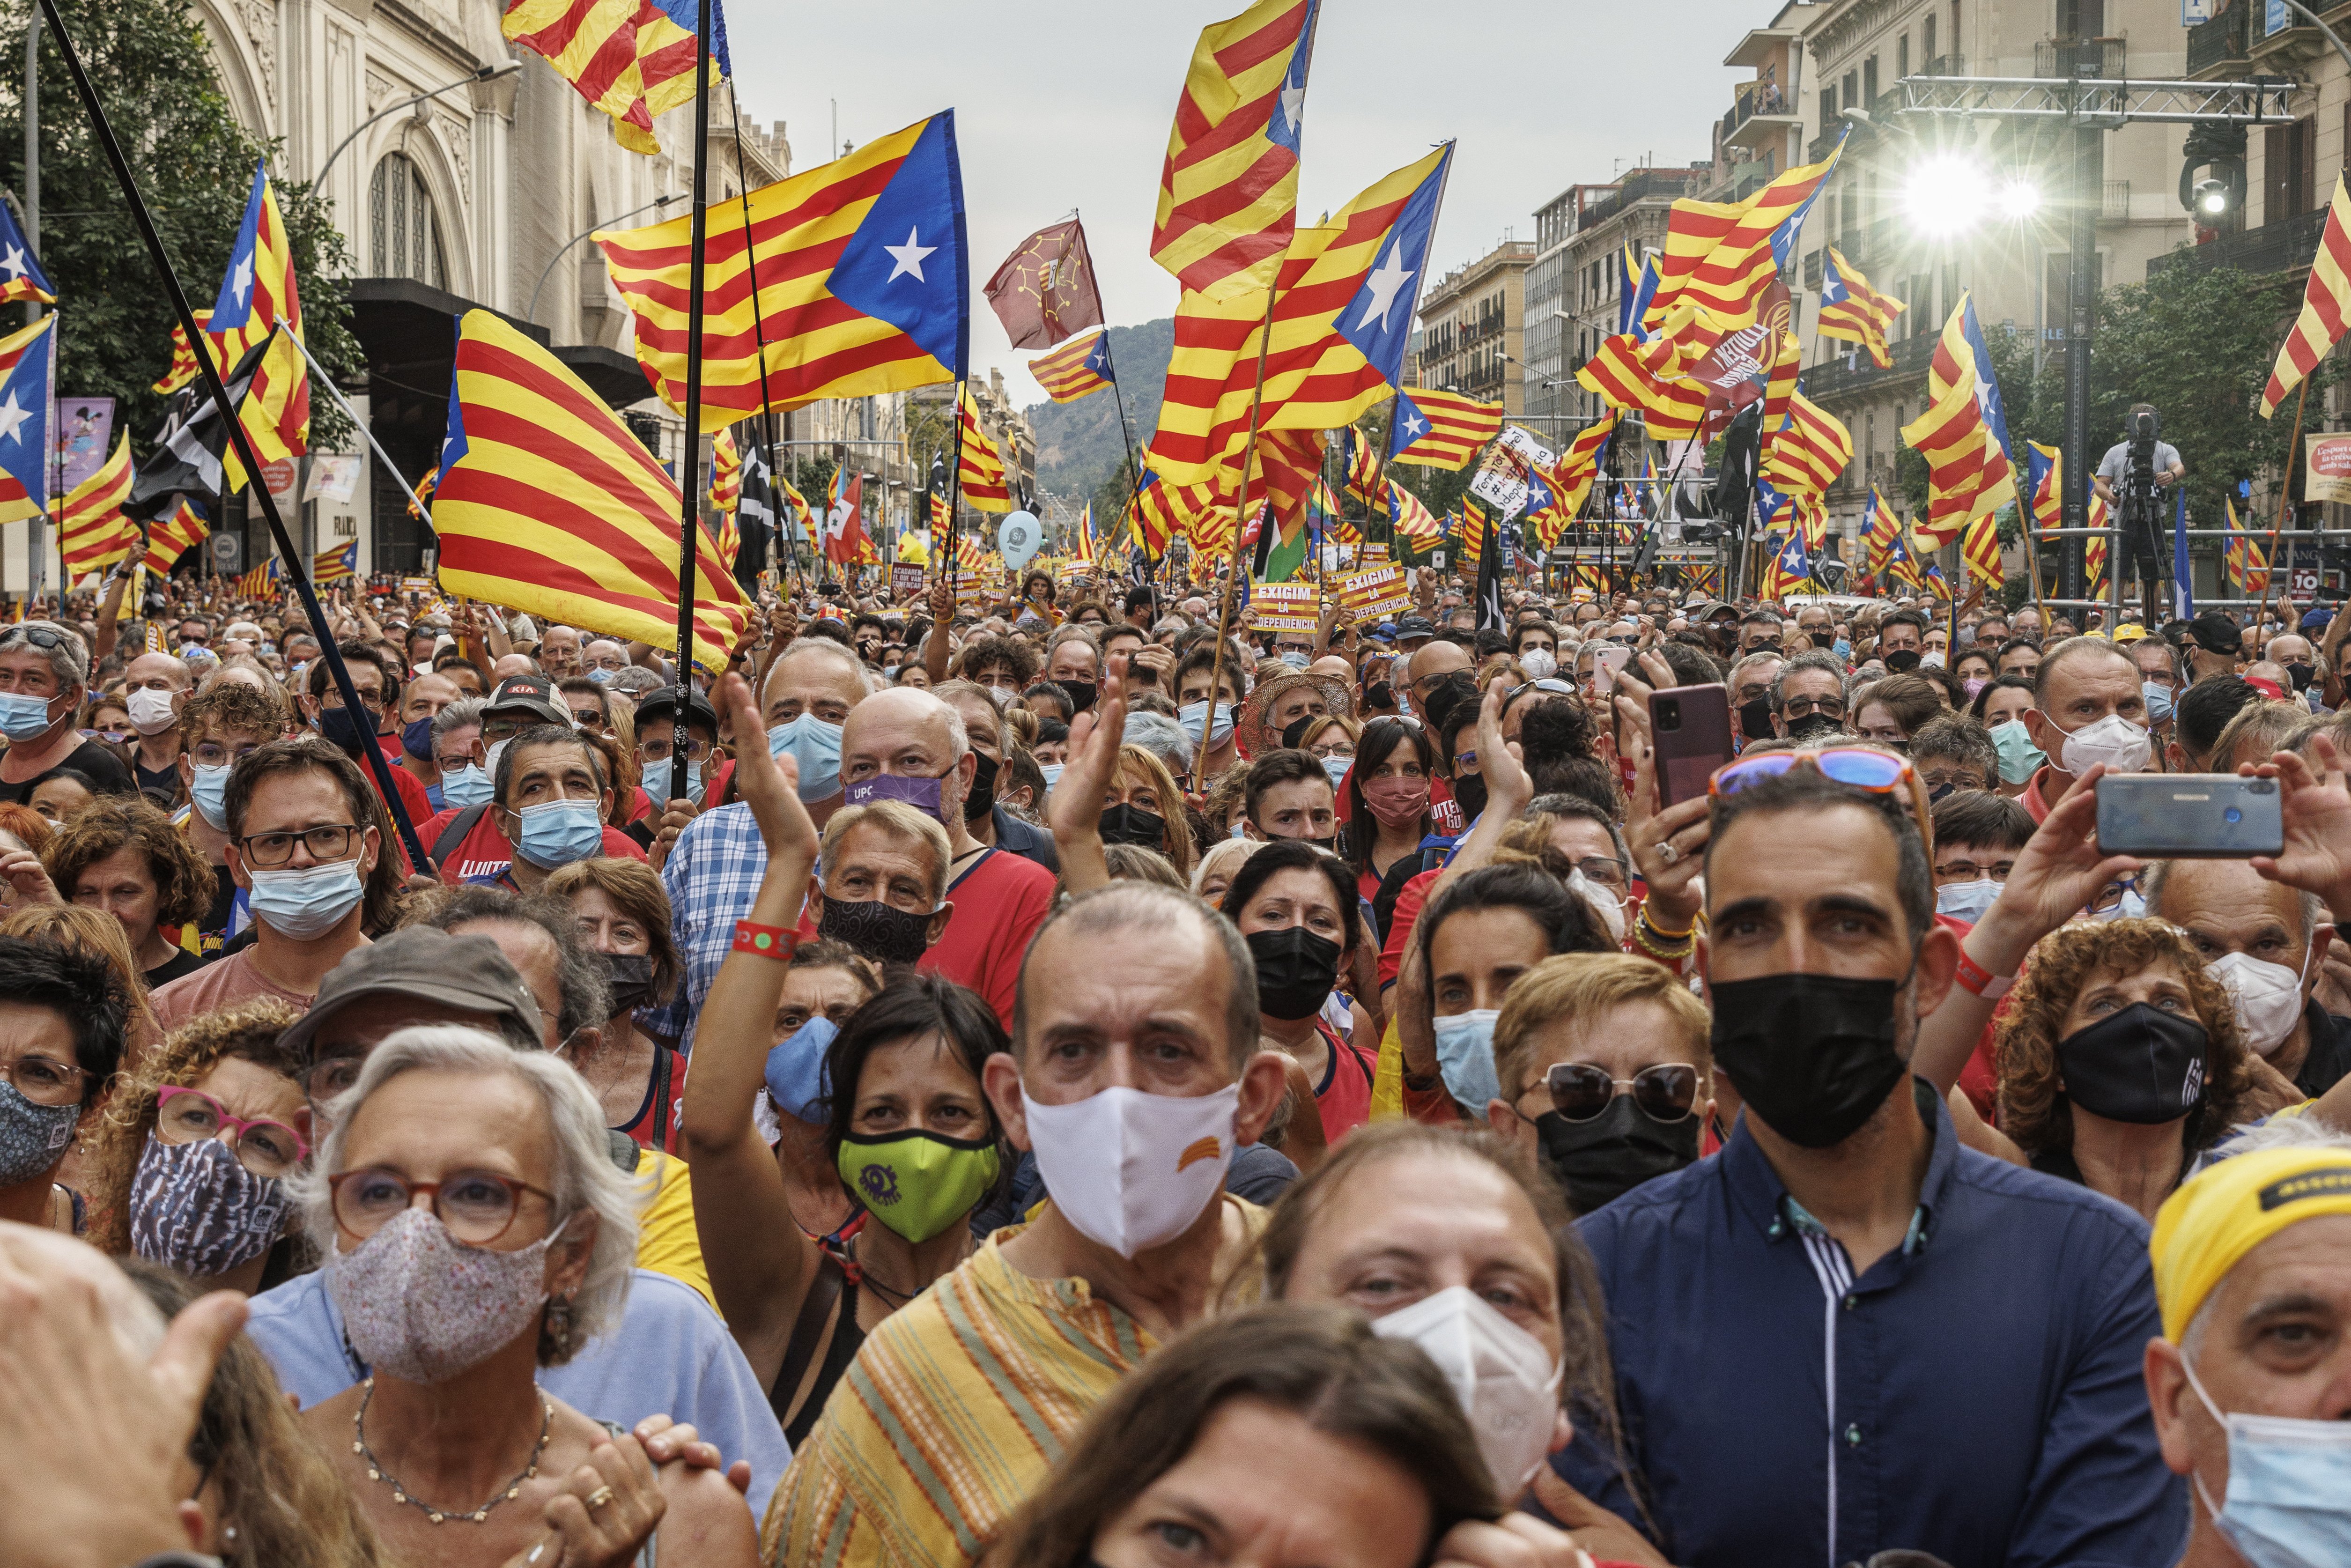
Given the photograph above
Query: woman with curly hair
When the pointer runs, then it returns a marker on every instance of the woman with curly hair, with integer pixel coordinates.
(2120, 1062)
(189, 1166)
(122, 856)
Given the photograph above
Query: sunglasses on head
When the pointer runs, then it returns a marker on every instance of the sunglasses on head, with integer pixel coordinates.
(1854, 766)
(1663, 1090)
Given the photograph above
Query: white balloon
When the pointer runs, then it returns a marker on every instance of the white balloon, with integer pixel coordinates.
(1018, 537)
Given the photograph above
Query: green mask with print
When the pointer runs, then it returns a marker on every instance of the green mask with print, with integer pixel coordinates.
(917, 1182)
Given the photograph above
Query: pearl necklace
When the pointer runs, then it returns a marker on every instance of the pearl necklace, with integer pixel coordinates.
(376, 1472)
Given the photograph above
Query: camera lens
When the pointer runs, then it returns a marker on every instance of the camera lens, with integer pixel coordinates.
(2260, 787)
(2233, 815)
(1670, 715)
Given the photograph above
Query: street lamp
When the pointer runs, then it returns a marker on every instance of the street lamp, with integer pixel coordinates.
(532, 314)
(487, 73)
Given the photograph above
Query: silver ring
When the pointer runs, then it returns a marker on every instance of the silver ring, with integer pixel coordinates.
(1667, 852)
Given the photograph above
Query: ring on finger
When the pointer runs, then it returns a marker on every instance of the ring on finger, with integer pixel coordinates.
(1667, 852)
(598, 1497)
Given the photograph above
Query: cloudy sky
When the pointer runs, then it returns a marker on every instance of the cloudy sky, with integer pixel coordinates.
(1067, 105)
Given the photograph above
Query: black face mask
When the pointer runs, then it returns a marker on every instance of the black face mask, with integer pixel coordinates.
(1470, 791)
(1812, 1055)
(1755, 718)
(1902, 660)
(977, 804)
(876, 930)
(349, 728)
(1603, 1159)
(1081, 694)
(1809, 725)
(1295, 732)
(1379, 694)
(1295, 971)
(2302, 676)
(1134, 825)
(629, 976)
(2139, 1065)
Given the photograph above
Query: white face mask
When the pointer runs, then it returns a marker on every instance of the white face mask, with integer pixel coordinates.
(1966, 901)
(2268, 997)
(1506, 1380)
(1537, 664)
(1132, 1170)
(150, 711)
(1604, 904)
(2114, 740)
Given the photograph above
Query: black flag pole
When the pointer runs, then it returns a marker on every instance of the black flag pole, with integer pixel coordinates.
(689, 518)
(295, 566)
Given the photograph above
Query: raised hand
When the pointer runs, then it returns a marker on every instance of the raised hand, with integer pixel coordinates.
(2060, 870)
(768, 785)
(2316, 809)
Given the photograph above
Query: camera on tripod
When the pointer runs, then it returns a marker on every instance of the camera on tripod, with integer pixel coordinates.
(2140, 517)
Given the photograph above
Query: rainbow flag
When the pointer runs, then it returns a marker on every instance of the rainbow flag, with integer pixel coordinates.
(1078, 367)
(631, 59)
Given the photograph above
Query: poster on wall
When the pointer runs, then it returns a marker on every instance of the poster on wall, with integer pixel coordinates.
(84, 425)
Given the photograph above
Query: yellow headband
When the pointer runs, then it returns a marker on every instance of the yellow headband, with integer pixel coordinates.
(2218, 1217)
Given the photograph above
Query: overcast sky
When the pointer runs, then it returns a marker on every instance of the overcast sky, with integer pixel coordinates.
(1060, 106)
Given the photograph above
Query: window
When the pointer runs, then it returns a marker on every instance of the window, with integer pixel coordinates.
(1852, 90)
(1869, 81)
(1902, 56)
(407, 233)
(1926, 40)
(2289, 162)
(1828, 109)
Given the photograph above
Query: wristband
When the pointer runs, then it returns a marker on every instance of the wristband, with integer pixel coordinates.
(1977, 980)
(777, 942)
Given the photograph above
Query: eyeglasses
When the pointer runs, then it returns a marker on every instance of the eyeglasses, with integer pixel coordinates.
(2108, 897)
(1803, 708)
(478, 1207)
(264, 1147)
(1974, 871)
(1854, 766)
(1550, 683)
(1606, 873)
(325, 843)
(44, 1080)
(1663, 1090)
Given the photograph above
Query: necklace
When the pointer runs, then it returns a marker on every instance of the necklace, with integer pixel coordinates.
(376, 1472)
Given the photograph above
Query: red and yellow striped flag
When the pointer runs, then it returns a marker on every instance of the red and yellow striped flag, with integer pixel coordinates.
(1881, 530)
(92, 532)
(2094, 551)
(548, 506)
(632, 59)
(2048, 494)
(2325, 303)
(1968, 473)
(1806, 456)
(1159, 510)
(168, 541)
(1980, 547)
(1410, 517)
(1441, 429)
(1228, 191)
(1364, 476)
(1572, 476)
(1723, 256)
(794, 509)
(728, 538)
(258, 297)
(862, 282)
(1853, 310)
(725, 476)
(1078, 367)
(2248, 562)
(981, 470)
(182, 367)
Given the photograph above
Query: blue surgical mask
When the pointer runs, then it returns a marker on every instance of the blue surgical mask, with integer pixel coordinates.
(796, 1071)
(306, 902)
(1464, 1058)
(2289, 1499)
(816, 747)
(416, 739)
(1295, 659)
(1967, 900)
(208, 788)
(2159, 700)
(2019, 757)
(1844, 649)
(1337, 767)
(559, 832)
(460, 788)
(1053, 772)
(657, 780)
(603, 677)
(23, 718)
(1191, 716)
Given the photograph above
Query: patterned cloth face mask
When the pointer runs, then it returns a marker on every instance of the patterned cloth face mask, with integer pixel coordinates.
(194, 1209)
(419, 1304)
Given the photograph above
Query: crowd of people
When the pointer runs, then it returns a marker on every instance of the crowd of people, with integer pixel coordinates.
(1090, 1080)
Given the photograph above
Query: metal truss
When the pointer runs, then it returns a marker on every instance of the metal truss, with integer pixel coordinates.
(2092, 100)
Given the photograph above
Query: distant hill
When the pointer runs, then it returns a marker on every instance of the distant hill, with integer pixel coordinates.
(1078, 443)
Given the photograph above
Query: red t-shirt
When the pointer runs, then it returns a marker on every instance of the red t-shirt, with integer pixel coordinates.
(418, 805)
(484, 851)
(1344, 1095)
(1409, 898)
(998, 904)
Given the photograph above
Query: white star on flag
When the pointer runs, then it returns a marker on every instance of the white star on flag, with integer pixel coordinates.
(12, 416)
(909, 257)
(242, 278)
(1415, 425)
(1293, 106)
(1390, 276)
(12, 263)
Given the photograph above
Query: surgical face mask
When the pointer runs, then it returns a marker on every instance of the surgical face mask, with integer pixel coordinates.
(1294, 658)
(1125, 824)
(490, 760)
(1191, 716)
(150, 711)
(1464, 1058)
(467, 786)
(2140, 1065)
(208, 788)
(559, 832)
(2019, 759)
(1001, 695)
(795, 1071)
(1901, 661)
(1337, 768)
(917, 1182)
(306, 902)
(1604, 904)
(2113, 740)
(881, 932)
(1601, 1158)
(816, 747)
(1296, 971)
(1537, 664)
(2268, 997)
(1129, 1170)
(194, 1209)
(348, 729)
(2301, 674)
(981, 800)
(32, 1137)
(1973, 684)
(1053, 772)
(1081, 694)
(1755, 718)
(1805, 728)
(1931, 660)
(2159, 700)
(1842, 649)
(2289, 1499)
(657, 780)
(629, 978)
(1967, 900)
(23, 718)
(1507, 1382)
(416, 739)
(601, 676)
(419, 1304)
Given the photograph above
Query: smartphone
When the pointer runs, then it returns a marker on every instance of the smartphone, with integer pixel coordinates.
(1605, 665)
(1691, 730)
(2189, 816)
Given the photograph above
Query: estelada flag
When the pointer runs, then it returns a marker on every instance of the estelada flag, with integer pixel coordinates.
(2045, 466)
(1228, 191)
(862, 282)
(92, 532)
(981, 470)
(334, 565)
(21, 276)
(1078, 367)
(27, 390)
(1853, 310)
(844, 524)
(1045, 290)
(548, 505)
(182, 367)
(258, 295)
(631, 59)
(1441, 429)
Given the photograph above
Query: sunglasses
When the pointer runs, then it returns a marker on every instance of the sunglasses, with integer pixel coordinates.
(1856, 767)
(1663, 1092)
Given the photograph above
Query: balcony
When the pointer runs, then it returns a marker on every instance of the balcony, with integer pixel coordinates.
(1760, 118)
(1944, 66)
(1910, 356)
(1665, 184)
(2285, 246)
(2217, 49)
(2105, 57)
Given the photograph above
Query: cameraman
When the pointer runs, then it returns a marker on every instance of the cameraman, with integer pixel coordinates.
(2167, 469)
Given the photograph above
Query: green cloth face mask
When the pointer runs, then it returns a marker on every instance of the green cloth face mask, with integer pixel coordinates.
(917, 1182)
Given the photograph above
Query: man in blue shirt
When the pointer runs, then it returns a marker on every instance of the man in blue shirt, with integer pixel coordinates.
(1848, 1335)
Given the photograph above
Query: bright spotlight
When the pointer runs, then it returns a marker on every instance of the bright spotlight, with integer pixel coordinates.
(2212, 197)
(2020, 199)
(1945, 194)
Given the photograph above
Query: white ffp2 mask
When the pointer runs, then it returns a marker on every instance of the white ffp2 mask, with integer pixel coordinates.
(2268, 997)
(1132, 1170)
(2114, 740)
(1506, 1380)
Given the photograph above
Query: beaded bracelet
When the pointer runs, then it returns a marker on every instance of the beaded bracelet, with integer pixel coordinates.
(777, 942)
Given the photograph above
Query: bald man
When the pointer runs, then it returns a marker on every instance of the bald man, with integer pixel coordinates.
(1431, 662)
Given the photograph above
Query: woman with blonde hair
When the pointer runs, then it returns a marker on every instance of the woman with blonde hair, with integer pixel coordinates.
(1143, 806)
(95, 932)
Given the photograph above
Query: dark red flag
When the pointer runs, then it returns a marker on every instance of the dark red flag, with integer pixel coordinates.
(1045, 289)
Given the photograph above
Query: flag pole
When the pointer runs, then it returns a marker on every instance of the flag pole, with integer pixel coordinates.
(372, 755)
(1240, 516)
(1133, 468)
(689, 521)
(758, 322)
(955, 497)
(2285, 486)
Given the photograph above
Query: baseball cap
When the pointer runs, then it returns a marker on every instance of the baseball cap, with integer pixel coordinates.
(2216, 634)
(425, 965)
(2316, 620)
(2216, 1216)
(1414, 626)
(2129, 631)
(533, 695)
(661, 707)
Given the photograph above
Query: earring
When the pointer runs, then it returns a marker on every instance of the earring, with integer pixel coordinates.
(557, 1329)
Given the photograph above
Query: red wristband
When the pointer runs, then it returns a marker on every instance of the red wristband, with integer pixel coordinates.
(1977, 980)
(775, 942)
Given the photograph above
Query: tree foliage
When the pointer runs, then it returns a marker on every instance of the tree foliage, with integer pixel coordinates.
(150, 62)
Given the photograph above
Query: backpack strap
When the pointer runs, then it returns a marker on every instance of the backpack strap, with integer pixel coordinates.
(455, 834)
